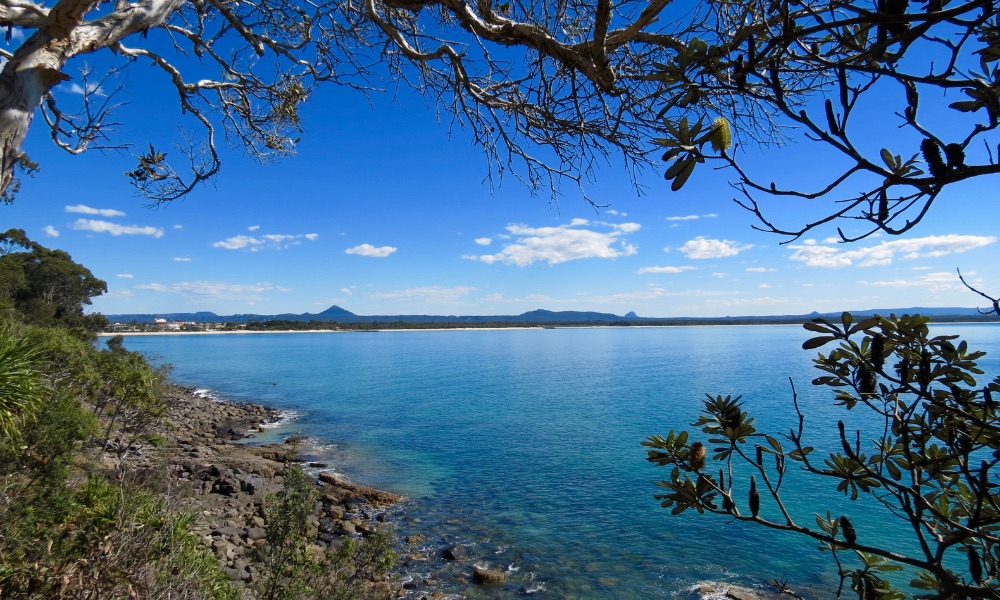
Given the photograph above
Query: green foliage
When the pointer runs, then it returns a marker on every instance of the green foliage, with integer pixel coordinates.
(46, 287)
(21, 389)
(291, 569)
(112, 540)
(933, 442)
(686, 144)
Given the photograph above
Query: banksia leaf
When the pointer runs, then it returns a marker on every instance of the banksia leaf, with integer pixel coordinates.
(932, 156)
(722, 135)
(682, 177)
(848, 529)
(754, 497)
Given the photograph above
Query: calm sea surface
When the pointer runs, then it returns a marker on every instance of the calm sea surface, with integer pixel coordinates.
(524, 445)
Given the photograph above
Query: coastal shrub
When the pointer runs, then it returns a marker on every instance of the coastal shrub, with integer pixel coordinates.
(130, 401)
(21, 388)
(111, 541)
(292, 569)
(924, 452)
(284, 560)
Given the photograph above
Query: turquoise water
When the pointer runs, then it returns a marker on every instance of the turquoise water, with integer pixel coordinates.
(524, 445)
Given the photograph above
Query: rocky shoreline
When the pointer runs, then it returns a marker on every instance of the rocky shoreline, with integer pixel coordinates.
(208, 466)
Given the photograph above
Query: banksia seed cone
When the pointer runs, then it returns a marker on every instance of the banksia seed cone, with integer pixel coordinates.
(955, 155)
(722, 135)
(932, 156)
(925, 368)
(903, 368)
(868, 380)
(696, 456)
(975, 567)
(849, 534)
(878, 351)
(754, 497)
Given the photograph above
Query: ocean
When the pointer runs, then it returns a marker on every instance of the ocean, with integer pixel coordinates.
(523, 445)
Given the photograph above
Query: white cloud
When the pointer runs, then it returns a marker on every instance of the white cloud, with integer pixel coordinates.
(645, 270)
(816, 255)
(214, 290)
(692, 217)
(114, 228)
(50, 231)
(369, 250)
(427, 294)
(181, 259)
(86, 210)
(931, 281)
(253, 228)
(561, 244)
(484, 241)
(237, 242)
(76, 88)
(272, 241)
(760, 270)
(702, 247)
(178, 227)
(125, 276)
(346, 291)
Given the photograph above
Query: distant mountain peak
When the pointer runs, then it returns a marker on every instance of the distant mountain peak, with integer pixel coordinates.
(336, 311)
(631, 315)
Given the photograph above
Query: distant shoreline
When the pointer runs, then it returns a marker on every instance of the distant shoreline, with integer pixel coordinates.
(515, 328)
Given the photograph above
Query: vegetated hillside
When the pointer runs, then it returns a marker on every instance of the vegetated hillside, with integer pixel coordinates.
(336, 314)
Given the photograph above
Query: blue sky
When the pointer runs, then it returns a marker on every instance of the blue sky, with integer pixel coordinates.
(386, 211)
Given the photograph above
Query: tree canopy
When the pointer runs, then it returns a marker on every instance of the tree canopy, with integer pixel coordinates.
(46, 287)
(548, 89)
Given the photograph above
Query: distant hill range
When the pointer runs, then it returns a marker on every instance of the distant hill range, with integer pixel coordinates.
(542, 317)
